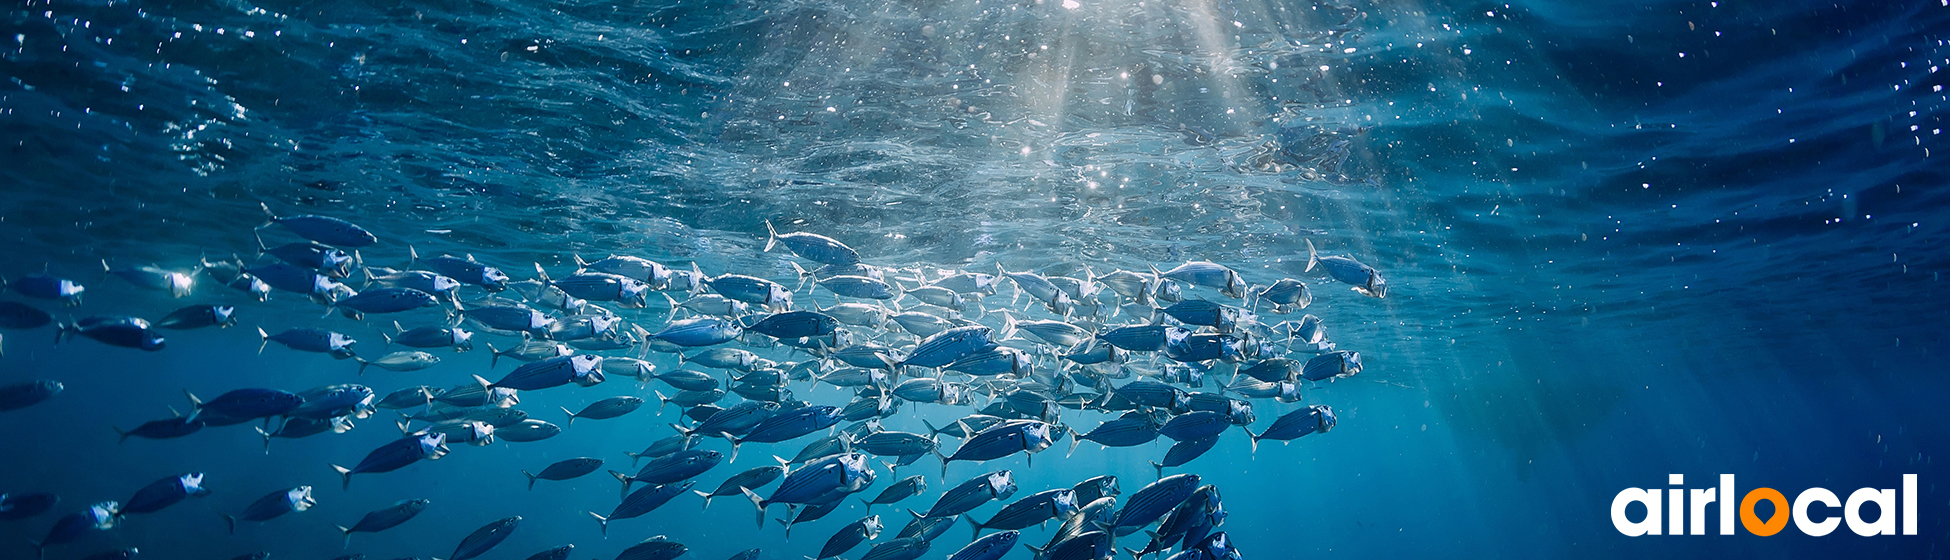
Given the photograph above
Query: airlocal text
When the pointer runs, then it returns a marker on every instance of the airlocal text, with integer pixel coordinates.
(1684, 510)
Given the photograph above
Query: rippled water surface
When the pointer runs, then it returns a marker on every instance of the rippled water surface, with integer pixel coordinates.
(1622, 239)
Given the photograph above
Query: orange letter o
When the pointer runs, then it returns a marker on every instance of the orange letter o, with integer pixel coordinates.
(1775, 523)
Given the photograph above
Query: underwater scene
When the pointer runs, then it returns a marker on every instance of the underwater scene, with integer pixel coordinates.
(973, 279)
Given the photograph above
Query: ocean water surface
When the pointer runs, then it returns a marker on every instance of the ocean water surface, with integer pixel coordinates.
(1622, 240)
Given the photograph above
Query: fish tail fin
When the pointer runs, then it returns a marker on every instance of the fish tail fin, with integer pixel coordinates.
(931, 429)
(625, 479)
(572, 417)
(196, 405)
(771, 237)
(735, 442)
(1033, 550)
(229, 523)
(634, 458)
(348, 537)
(1135, 555)
(123, 435)
(269, 217)
(412, 256)
(1008, 327)
(1160, 467)
(362, 361)
(662, 400)
(757, 503)
(976, 525)
(344, 473)
(1074, 442)
(494, 356)
(1255, 440)
(1313, 256)
(580, 264)
(697, 280)
(542, 274)
(267, 439)
(681, 430)
(531, 479)
(601, 521)
(706, 496)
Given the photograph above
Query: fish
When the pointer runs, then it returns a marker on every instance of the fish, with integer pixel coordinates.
(323, 229)
(386, 518)
(1195, 425)
(907, 548)
(113, 330)
(149, 277)
(101, 516)
(1035, 285)
(752, 478)
(465, 270)
(1207, 274)
(1001, 440)
(738, 419)
(1366, 280)
(974, 492)
(250, 403)
(945, 347)
(440, 286)
(891, 443)
(849, 537)
(1332, 365)
(860, 287)
(845, 472)
(308, 339)
(527, 430)
(810, 513)
(16, 315)
(164, 493)
(796, 324)
(21, 505)
(513, 318)
(1057, 503)
(1287, 295)
(408, 398)
(686, 380)
(485, 538)
(788, 425)
(404, 360)
(1091, 545)
(565, 469)
(16, 396)
(1153, 501)
(992, 547)
(461, 340)
(167, 428)
(812, 247)
(333, 401)
(605, 409)
(583, 370)
(273, 506)
(673, 468)
(1299, 423)
(41, 285)
(1093, 488)
(557, 553)
(698, 331)
(642, 501)
(199, 316)
(1184, 451)
(1122, 432)
(599, 286)
(382, 300)
(711, 304)
(654, 548)
(654, 274)
(294, 279)
(396, 455)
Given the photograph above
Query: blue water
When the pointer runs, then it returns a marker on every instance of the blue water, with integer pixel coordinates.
(1623, 239)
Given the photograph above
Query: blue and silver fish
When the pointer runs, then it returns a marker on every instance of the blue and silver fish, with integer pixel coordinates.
(397, 454)
(385, 518)
(272, 506)
(1365, 279)
(812, 247)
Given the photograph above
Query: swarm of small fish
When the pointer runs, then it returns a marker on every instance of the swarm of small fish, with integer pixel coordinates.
(1143, 346)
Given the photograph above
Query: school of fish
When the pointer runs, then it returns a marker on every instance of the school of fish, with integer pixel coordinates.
(1183, 354)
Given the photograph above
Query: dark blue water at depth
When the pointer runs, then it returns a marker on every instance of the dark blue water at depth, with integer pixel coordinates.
(1622, 240)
